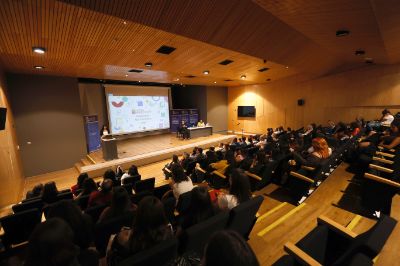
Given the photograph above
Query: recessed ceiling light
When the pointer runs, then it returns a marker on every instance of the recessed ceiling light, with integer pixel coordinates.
(126, 75)
(148, 64)
(177, 79)
(206, 72)
(38, 50)
(39, 67)
(243, 77)
(342, 33)
(215, 82)
(124, 22)
(369, 60)
(359, 52)
(286, 67)
(140, 81)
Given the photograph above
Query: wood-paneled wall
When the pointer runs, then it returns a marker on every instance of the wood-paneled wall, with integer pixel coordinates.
(340, 97)
(11, 176)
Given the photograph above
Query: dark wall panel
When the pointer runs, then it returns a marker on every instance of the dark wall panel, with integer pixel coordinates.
(189, 97)
(48, 120)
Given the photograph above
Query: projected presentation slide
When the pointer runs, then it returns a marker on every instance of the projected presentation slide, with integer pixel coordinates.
(129, 114)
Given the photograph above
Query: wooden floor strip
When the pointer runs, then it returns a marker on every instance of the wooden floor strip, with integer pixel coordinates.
(354, 222)
(90, 159)
(280, 220)
(271, 211)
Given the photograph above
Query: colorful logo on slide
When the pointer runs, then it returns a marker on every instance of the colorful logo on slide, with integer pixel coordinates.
(117, 104)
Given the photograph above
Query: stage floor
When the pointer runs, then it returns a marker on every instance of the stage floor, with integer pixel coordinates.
(136, 146)
(148, 149)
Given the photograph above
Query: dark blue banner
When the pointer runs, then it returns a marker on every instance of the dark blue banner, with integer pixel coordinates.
(175, 120)
(93, 142)
(193, 117)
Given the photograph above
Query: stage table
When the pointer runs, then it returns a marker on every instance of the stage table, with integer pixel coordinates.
(195, 132)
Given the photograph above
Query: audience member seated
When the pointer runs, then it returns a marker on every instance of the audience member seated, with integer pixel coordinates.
(183, 130)
(228, 248)
(185, 160)
(133, 171)
(168, 167)
(239, 191)
(180, 182)
(320, 152)
(35, 192)
(200, 208)
(80, 223)
(119, 172)
(120, 205)
(49, 193)
(88, 187)
(393, 141)
(199, 154)
(258, 163)
(52, 243)
(355, 128)
(211, 156)
(79, 184)
(103, 196)
(110, 174)
(149, 228)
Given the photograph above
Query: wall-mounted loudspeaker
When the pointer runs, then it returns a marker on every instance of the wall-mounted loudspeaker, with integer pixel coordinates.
(3, 113)
(300, 102)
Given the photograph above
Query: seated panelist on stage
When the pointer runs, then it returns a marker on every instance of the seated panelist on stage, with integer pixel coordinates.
(183, 129)
(201, 123)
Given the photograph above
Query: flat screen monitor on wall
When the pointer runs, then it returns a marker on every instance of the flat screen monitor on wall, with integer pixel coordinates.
(246, 111)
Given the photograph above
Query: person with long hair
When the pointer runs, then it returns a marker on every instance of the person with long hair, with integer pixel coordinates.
(318, 153)
(88, 187)
(200, 208)
(121, 205)
(49, 192)
(228, 248)
(180, 182)
(132, 171)
(103, 196)
(239, 191)
(149, 228)
(79, 183)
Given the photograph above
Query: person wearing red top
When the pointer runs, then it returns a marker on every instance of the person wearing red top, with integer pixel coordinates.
(103, 196)
(79, 183)
(355, 127)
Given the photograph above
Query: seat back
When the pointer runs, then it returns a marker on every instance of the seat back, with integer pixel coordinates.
(32, 204)
(18, 227)
(184, 202)
(83, 201)
(243, 216)
(104, 230)
(95, 212)
(169, 208)
(195, 237)
(145, 185)
(65, 195)
(162, 254)
(131, 179)
(161, 190)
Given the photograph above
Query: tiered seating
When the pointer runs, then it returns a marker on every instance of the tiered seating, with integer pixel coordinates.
(332, 244)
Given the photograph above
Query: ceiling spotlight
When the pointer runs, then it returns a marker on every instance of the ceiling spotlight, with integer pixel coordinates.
(38, 50)
(140, 81)
(342, 33)
(359, 52)
(124, 22)
(215, 82)
(206, 72)
(243, 77)
(177, 79)
(126, 75)
(369, 60)
(148, 64)
(39, 67)
(286, 67)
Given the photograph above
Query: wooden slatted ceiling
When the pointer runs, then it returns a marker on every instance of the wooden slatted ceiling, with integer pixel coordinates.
(84, 43)
(319, 20)
(238, 25)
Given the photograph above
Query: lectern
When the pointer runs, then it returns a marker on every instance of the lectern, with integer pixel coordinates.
(109, 147)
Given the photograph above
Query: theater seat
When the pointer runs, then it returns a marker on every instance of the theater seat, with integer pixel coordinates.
(131, 180)
(162, 254)
(194, 238)
(95, 212)
(146, 185)
(18, 227)
(243, 216)
(32, 204)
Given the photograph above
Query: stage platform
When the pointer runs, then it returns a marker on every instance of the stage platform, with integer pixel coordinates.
(146, 150)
